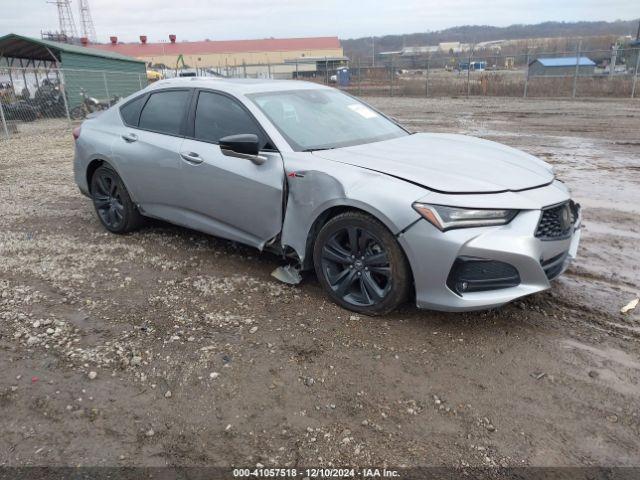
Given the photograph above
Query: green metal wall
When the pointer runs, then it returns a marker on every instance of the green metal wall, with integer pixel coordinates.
(100, 77)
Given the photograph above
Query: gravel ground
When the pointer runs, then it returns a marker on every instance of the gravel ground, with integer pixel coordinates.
(169, 347)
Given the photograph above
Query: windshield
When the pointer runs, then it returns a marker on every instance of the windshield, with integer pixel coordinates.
(324, 119)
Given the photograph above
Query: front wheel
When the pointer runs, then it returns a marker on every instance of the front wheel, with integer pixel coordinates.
(360, 264)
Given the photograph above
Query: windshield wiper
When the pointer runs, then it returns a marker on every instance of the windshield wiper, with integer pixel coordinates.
(317, 149)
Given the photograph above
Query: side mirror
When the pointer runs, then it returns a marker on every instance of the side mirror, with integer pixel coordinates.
(245, 145)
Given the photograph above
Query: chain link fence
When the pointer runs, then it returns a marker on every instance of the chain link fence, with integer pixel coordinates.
(32, 98)
(573, 74)
(577, 74)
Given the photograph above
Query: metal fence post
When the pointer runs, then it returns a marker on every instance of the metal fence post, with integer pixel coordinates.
(469, 75)
(106, 86)
(326, 71)
(4, 121)
(64, 96)
(359, 78)
(426, 89)
(297, 74)
(575, 75)
(635, 74)
(526, 76)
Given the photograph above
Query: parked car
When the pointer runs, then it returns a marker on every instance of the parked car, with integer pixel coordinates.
(333, 185)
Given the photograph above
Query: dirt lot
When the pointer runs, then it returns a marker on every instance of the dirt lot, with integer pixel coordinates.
(168, 347)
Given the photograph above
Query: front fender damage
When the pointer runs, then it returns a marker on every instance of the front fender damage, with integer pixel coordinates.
(308, 193)
(313, 195)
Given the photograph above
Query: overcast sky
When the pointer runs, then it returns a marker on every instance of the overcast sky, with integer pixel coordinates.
(240, 19)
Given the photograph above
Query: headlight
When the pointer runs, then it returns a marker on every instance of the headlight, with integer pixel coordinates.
(446, 218)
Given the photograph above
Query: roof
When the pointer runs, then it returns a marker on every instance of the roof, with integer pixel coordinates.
(302, 60)
(226, 46)
(565, 62)
(18, 46)
(239, 86)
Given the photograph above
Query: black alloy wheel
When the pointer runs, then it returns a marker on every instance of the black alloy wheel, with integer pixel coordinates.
(112, 202)
(360, 264)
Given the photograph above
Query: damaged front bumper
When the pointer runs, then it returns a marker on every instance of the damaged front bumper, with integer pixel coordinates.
(481, 268)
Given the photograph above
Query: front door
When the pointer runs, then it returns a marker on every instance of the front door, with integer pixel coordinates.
(228, 196)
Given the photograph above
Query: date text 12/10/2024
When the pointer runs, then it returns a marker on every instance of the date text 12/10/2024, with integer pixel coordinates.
(315, 472)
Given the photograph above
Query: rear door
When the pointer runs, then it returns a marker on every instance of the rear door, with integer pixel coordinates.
(148, 150)
(229, 196)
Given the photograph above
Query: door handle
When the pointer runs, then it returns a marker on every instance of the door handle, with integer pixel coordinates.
(130, 137)
(191, 157)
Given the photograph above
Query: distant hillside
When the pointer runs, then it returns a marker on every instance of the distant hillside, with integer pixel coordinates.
(360, 47)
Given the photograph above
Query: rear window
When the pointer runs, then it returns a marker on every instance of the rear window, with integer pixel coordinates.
(131, 111)
(164, 111)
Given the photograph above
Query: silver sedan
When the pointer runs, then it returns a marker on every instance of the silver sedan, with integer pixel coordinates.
(331, 184)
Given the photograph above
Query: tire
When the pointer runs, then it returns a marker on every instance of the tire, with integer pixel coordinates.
(360, 264)
(112, 202)
(77, 113)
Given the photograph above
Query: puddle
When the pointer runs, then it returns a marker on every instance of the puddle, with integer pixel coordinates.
(608, 354)
(600, 228)
(606, 363)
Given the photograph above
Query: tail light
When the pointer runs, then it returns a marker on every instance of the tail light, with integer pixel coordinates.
(76, 133)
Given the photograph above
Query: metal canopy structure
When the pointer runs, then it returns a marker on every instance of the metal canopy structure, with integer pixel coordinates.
(81, 69)
(18, 46)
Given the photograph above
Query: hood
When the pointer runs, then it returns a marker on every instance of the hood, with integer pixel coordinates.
(448, 163)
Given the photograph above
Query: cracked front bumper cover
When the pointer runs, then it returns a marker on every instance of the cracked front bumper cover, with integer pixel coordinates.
(432, 255)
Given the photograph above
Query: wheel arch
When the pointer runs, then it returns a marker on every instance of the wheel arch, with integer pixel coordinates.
(91, 169)
(336, 209)
(332, 211)
(95, 163)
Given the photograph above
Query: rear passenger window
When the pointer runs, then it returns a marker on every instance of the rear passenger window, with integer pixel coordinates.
(218, 116)
(131, 111)
(164, 111)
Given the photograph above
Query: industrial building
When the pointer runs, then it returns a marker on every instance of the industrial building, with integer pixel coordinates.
(561, 66)
(83, 68)
(266, 57)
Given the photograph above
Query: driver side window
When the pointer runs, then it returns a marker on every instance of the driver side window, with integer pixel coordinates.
(218, 116)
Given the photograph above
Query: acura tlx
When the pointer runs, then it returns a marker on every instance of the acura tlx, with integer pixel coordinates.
(333, 185)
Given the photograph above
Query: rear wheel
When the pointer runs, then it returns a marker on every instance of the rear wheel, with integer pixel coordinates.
(360, 264)
(112, 202)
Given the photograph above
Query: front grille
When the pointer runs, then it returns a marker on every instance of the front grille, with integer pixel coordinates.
(557, 221)
(553, 266)
(470, 274)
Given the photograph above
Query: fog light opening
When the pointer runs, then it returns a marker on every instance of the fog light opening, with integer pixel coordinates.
(471, 274)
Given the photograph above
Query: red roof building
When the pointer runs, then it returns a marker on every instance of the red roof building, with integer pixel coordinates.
(215, 53)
